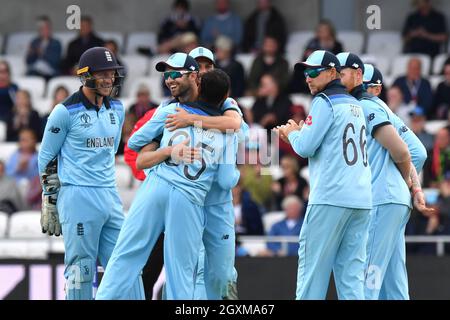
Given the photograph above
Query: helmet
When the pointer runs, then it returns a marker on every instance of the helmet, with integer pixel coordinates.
(99, 59)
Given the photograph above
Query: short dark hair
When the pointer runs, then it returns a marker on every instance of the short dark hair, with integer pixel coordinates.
(214, 87)
(181, 3)
(87, 18)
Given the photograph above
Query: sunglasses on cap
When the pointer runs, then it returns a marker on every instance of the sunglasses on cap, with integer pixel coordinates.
(314, 73)
(175, 74)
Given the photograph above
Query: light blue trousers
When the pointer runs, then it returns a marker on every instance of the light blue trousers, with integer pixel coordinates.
(386, 274)
(91, 219)
(332, 238)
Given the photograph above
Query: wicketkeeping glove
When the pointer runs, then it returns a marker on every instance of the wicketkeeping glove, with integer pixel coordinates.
(49, 215)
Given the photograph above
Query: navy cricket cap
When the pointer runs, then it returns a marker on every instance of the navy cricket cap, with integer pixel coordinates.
(417, 111)
(320, 58)
(178, 61)
(372, 76)
(350, 60)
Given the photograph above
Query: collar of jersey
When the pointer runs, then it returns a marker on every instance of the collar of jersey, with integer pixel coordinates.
(88, 104)
(358, 92)
(201, 108)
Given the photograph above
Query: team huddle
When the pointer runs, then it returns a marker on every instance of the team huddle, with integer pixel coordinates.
(363, 164)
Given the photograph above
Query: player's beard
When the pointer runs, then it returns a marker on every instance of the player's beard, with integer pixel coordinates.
(181, 91)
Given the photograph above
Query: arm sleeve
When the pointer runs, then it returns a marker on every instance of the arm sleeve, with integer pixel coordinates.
(377, 117)
(55, 133)
(231, 104)
(150, 130)
(306, 141)
(228, 174)
(415, 147)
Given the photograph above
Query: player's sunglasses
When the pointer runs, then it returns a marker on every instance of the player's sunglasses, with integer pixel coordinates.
(175, 74)
(314, 73)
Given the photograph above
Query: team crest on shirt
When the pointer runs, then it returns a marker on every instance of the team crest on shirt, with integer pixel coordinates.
(111, 117)
(308, 120)
(85, 120)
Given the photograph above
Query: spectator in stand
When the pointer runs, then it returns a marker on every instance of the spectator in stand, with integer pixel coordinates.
(443, 209)
(226, 61)
(22, 165)
(225, 22)
(417, 125)
(137, 110)
(264, 20)
(398, 106)
(415, 89)
(272, 107)
(440, 159)
(59, 95)
(11, 199)
(248, 217)
(178, 22)
(44, 53)
(425, 30)
(188, 42)
(7, 92)
(87, 39)
(291, 183)
(270, 60)
(256, 178)
(441, 100)
(290, 226)
(23, 117)
(325, 39)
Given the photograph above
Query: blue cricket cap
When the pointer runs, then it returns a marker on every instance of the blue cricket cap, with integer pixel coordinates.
(372, 76)
(179, 61)
(202, 52)
(350, 60)
(320, 58)
(417, 111)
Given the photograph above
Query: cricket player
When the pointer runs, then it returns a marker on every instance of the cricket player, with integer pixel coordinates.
(82, 136)
(334, 233)
(219, 234)
(172, 196)
(386, 274)
(216, 277)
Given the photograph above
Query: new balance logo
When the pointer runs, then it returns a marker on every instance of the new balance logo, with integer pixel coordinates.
(54, 129)
(80, 229)
(225, 237)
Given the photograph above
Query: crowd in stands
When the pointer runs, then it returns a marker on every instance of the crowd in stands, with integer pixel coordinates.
(270, 81)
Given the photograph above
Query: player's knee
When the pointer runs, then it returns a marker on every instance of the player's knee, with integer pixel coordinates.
(80, 272)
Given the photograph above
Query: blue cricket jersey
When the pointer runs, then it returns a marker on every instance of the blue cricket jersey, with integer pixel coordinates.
(218, 195)
(388, 185)
(84, 139)
(333, 139)
(194, 179)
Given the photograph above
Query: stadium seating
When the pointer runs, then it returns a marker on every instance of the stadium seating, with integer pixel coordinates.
(43, 106)
(136, 65)
(246, 102)
(7, 149)
(254, 247)
(17, 43)
(3, 224)
(382, 63)
(302, 99)
(33, 84)
(111, 35)
(153, 83)
(434, 126)
(438, 62)
(123, 176)
(434, 81)
(400, 64)
(17, 65)
(270, 218)
(352, 41)
(384, 43)
(3, 128)
(246, 59)
(25, 224)
(141, 39)
(297, 41)
(71, 83)
(65, 37)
